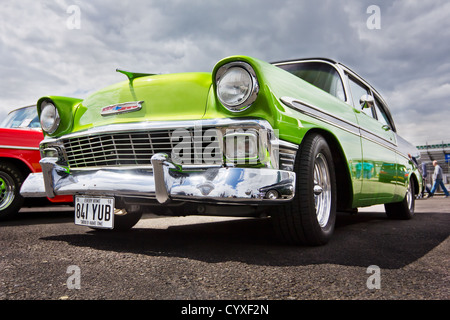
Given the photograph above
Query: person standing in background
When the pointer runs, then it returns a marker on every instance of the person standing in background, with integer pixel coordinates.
(424, 171)
(437, 177)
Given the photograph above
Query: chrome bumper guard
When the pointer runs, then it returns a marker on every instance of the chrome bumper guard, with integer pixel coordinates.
(166, 182)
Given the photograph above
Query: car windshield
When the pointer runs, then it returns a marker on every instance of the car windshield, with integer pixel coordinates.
(22, 118)
(321, 75)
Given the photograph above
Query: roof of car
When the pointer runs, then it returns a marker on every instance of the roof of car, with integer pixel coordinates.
(315, 59)
(306, 59)
(34, 106)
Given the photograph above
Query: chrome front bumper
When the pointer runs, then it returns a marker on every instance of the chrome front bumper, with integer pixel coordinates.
(166, 182)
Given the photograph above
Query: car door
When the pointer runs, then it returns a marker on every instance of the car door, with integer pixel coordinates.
(378, 169)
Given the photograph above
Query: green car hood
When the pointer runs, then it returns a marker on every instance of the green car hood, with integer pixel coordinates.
(181, 96)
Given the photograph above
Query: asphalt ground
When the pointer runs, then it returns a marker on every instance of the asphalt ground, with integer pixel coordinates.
(44, 256)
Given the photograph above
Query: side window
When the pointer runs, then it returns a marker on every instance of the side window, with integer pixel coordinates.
(358, 91)
(381, 114)
(319, 74)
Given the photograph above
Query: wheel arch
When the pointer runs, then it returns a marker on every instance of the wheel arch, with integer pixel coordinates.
(343, 178)
(415, 181)
(22, 166)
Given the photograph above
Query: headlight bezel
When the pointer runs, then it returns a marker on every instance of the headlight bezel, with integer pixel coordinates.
(49, 128)
(253, 91)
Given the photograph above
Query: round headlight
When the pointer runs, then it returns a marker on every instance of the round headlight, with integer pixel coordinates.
(237, 86)
(234, 87)
(49, 117)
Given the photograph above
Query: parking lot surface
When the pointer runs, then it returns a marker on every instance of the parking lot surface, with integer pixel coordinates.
(44, 256)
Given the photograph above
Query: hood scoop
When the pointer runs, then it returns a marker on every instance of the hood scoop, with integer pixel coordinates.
(134, 75)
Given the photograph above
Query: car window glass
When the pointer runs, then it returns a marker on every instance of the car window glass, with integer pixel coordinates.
(381, 115)
(22, 118)
(357, 92)
(321, 75)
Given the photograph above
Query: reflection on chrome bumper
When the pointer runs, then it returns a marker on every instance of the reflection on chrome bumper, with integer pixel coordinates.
(166, 182)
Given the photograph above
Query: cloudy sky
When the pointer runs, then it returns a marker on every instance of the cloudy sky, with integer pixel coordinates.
(72, 48)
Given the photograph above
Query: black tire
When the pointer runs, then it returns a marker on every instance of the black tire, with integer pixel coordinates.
(128, 221)
(403, 210)
(11, 180)
(300, 221)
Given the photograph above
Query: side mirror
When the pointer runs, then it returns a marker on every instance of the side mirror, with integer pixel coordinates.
(366, 101)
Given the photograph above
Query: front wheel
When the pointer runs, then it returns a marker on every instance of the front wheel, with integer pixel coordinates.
(310, 217)
(404, 209)
(11, 180)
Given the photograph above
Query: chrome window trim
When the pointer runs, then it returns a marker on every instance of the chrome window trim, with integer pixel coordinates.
(343, 71)
(347, 71)
(334, 65)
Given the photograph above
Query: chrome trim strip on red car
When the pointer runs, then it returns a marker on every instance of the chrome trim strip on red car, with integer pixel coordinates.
(19, 148)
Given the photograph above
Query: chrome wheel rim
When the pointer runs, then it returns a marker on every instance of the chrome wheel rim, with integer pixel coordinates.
(322, 190)
(6, 191)
(409, 198)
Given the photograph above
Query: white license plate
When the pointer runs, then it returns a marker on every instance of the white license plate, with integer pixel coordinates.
(95, 212)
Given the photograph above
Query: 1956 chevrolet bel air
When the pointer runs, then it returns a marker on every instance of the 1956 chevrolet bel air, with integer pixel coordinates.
(293, 140)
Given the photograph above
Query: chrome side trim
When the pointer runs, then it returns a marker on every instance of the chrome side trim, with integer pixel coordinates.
(19, 148)
(369, 135)
(338, 122)
(321, 114)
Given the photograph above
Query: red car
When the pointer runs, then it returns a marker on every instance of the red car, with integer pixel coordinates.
(20, 135)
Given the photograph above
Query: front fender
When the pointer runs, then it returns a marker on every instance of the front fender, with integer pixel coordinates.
(66, 108)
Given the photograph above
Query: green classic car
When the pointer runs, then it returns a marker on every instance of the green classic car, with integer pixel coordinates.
(294, 140)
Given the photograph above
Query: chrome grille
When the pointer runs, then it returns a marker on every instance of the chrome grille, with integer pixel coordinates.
(137, 148)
